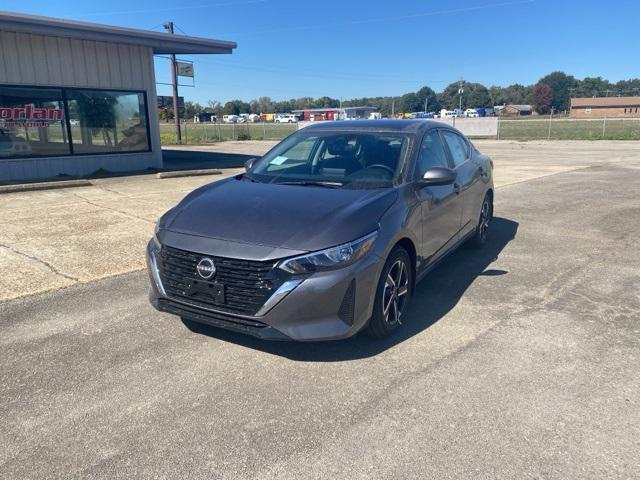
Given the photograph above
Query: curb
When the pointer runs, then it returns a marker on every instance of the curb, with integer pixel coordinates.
(189, 173)
(28, 187)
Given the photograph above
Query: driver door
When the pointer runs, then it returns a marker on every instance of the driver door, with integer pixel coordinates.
(441, 206)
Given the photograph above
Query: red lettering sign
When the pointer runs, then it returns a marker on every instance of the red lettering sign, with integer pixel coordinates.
(30, 112)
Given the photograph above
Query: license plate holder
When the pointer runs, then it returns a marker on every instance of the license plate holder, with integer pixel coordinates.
(212, 291)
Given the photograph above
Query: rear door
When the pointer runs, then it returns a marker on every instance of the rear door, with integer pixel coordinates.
(441, 207)
(468, 178)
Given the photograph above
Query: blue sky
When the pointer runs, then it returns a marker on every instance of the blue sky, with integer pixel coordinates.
(355, 48)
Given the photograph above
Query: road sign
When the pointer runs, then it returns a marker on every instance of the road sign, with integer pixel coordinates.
(184, 69)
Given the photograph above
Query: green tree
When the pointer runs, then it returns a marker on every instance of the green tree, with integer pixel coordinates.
(561, 85)
(230, 108)
(191, 108)
(409, 102)
(542, 98)
(628, 88)
(326, 102)
(165, 114)
(426, 96)
(265, 105)
(475, 95)
(593, 87)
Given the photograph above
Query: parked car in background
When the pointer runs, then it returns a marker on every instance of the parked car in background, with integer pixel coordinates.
(444, 113)
(12, 146)
(471, 113)
(74, 122)
(254, 118)
(286, 118)
(230, 118)
(325, 235)
(242, 118)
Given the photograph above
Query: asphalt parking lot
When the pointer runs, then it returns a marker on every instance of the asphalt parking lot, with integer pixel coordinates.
(518, 361)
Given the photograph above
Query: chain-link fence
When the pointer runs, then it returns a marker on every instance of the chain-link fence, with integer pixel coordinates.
(569, 129)
(201, 133)
(532, 128)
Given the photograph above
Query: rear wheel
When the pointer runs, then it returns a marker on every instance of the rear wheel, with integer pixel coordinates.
(486, 212)
(392, 294)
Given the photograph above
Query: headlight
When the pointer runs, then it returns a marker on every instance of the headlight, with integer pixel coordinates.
(334, 257)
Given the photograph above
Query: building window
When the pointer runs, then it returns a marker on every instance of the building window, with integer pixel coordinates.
(32, 123)
(37, 122)
(107, 121)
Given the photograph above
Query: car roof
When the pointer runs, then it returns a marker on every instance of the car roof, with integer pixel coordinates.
(382, 125)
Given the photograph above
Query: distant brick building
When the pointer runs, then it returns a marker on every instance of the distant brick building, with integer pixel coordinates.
(605, 107)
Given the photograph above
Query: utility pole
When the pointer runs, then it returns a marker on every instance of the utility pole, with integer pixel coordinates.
(460, 92)
(174, 81)
(426, 103)
(393, 108)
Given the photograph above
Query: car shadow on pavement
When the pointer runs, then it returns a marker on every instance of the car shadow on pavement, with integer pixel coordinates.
(434, 297)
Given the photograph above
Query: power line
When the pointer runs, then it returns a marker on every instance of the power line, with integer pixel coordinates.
(380, 19)
(185, 33)
(166, 9)
(317, 74)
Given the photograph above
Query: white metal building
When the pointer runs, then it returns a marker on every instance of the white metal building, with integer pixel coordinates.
(77, 97)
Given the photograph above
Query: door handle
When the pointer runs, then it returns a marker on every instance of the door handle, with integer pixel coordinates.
(456, 187)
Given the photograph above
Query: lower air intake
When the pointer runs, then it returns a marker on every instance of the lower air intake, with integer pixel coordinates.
(346, 313)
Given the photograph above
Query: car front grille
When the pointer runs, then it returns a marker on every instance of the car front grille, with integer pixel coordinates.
(246, 284)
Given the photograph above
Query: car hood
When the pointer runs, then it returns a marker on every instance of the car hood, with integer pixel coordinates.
(301, 218)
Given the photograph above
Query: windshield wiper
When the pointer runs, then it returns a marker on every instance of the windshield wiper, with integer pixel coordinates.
(246, 176)
(313, 183)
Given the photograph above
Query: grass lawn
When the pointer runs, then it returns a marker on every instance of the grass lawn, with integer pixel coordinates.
(567, 129)
(195, 133)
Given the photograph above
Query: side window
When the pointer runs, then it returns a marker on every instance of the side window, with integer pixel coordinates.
(457, 147)
(431, 153)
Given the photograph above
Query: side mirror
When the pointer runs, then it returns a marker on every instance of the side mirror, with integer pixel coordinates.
(249, 163)
(438, 176)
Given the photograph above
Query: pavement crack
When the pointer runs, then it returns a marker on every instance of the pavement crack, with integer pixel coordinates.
(126, 214)
(42, 262)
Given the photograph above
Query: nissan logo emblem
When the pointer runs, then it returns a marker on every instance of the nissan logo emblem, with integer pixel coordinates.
(206, 268)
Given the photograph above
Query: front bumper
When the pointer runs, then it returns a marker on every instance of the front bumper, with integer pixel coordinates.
(324, 306)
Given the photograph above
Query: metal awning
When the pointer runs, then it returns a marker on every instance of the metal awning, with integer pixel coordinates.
(161, 43)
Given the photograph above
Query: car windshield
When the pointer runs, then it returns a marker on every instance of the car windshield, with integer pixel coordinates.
(350, 160)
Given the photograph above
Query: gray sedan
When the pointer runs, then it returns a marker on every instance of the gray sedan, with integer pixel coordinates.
(327, 234)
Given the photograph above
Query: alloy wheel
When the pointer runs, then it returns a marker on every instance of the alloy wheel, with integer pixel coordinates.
(394, 294)
(485, 216)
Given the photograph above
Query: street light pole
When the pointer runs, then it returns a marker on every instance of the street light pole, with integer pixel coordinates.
(174, 82)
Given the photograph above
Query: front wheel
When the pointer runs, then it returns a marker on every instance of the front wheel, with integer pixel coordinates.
(392, 294)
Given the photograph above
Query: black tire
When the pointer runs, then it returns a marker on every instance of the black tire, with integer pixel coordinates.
(385, 321)
(479, 238)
